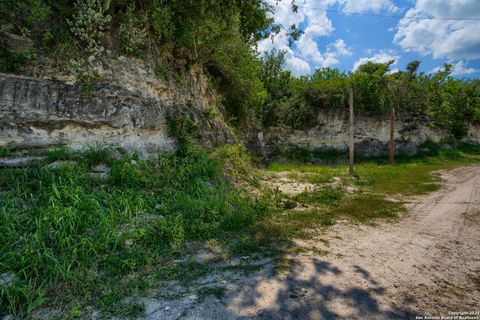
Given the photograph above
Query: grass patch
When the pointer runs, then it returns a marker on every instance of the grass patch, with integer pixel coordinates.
(366, 208)
(183, 272)
(411, 178)
(306, 168)
(245, 246)
(326, 195)
(124, 310)
(71, 240)
(61, 153)
(408, 176)
(329, 155)
(217, 292)
(4, 152)
(291, 224)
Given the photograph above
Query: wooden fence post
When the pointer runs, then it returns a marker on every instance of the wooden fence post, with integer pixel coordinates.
(392, 135)
(351, 137)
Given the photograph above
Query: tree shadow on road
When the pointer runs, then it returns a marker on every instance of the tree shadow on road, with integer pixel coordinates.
(297, 296)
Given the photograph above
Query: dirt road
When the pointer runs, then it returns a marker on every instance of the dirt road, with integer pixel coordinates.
(427, 263)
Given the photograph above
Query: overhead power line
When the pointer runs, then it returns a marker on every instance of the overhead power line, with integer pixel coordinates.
(389, 16)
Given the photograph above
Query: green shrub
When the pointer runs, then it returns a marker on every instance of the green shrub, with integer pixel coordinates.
(97, 153)
(60, 153)
(162, 21)
(183, 128)
(429, 148)
(160, 71)
(88, 80)
(293, 153)
(39, 12)
(210, 113)
(89, 24)
(235, 158)
(132, 31)
(9, 61)
(331, 154)
(295, 113)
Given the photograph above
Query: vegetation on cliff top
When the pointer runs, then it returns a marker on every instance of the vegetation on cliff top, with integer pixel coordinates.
(438, 100)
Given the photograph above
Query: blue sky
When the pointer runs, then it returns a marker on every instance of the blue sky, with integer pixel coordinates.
(351, 32)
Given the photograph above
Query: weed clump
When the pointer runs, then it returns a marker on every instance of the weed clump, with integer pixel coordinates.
(4, 152)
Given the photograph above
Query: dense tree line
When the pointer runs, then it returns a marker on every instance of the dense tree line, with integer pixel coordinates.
(221, 37)
(439, 99)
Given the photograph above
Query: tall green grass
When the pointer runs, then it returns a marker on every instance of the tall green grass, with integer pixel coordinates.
(65, 234)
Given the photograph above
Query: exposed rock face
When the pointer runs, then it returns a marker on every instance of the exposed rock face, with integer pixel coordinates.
(130, 109)
(372, 135)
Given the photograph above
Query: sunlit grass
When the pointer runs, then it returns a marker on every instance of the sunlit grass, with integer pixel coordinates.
(405, 177)
(293, 224)
(373, 184)
(367, 208)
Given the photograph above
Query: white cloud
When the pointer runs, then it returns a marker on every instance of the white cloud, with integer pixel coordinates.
(381, 57)
(459, 69)
(307, 54)
(362, 6)
(297, 66)
(447, 39)
(340, 47)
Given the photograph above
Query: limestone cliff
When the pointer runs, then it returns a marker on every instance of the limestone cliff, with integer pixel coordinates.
(129, 108)
(372, 135)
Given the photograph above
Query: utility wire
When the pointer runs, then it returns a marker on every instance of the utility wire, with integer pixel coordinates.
(386, 16)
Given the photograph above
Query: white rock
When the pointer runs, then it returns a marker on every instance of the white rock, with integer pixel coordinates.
(7, 279)
(61, 163)
(19, 161)
(101, 172)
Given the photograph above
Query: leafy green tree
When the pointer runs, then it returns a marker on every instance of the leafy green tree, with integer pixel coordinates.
(369, 84)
